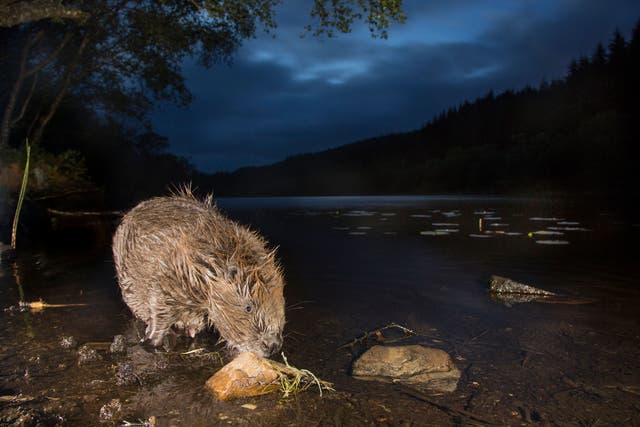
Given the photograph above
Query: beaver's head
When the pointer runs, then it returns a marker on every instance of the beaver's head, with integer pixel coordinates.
(247, 308)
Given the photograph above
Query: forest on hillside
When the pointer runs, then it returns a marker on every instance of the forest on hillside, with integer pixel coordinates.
(579, 134)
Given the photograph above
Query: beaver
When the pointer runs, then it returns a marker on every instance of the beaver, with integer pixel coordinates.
(183, 266)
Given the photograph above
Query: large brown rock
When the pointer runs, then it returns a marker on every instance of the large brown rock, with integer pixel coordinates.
(413, 364)
(246, 375)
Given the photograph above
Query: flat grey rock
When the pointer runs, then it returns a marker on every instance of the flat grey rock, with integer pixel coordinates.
(429, 368)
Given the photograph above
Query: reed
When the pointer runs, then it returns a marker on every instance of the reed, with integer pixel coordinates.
(23, 190)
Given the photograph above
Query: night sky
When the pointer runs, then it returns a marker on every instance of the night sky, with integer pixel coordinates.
(288, 94)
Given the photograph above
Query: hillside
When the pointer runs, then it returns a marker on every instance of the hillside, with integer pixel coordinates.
(578, 134)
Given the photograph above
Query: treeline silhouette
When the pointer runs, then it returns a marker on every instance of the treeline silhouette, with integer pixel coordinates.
(579, 134)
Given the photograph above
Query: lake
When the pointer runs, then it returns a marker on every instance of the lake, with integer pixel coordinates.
(352, 265)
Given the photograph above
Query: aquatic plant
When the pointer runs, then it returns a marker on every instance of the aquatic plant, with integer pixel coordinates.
(294, 380)
(23, 190)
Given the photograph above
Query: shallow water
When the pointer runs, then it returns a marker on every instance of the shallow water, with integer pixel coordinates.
(354, 264)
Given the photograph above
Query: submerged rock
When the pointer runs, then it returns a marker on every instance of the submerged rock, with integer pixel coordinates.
(504, 285)
(87, 354)
(111, 411)
(509, 292)
(126, 374)
(118, 345)
(68, 342)
(246, 375)
(429, 368)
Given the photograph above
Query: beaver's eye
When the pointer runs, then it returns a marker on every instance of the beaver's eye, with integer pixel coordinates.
(248, 309)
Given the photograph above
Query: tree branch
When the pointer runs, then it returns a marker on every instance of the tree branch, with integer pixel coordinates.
(66, 83)
(15, 12)
(5, 124)
(26, 102)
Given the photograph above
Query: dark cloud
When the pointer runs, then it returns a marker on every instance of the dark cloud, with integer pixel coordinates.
(287, 95)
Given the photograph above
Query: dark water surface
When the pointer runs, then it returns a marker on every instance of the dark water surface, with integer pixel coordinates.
(354, 264)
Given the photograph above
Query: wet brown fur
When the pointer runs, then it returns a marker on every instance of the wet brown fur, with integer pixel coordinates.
(181, 264)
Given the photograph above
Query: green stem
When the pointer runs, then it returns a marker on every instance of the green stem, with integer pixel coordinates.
(23, 190)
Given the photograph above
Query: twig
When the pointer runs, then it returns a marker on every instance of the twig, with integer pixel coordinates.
(479, 335)
(196, 350)
(85, 213)
(16, 398)
(66, 194)
(41, 305)
(367, 335)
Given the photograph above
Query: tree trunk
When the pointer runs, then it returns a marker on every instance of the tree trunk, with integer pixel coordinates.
(14, 13)
(8, 121)
(44, 120)
(7, 117)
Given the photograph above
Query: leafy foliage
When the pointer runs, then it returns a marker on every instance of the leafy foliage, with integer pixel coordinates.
(49, 173)
(340, 15)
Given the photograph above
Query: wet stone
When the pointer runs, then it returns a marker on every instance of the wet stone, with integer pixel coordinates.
(427, 367)
(126, 374)
(118, 345)
(498, 284)
(68, 342)
(87, 354)
(246, 375)
(111, 411)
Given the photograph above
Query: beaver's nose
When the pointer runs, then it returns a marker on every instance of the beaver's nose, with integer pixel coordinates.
(273, 344)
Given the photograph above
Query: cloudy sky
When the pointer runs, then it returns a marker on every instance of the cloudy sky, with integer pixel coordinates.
(288, 94)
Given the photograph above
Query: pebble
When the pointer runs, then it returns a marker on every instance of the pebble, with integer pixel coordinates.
(111, 411)
(68, 342)
(118, 345)
(87, 354)
(250, 406)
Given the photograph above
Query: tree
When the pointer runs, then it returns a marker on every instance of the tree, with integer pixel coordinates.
(124, 55)
(617, 47)
(599, 57)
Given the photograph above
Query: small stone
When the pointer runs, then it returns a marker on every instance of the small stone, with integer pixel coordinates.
(111, 411)
(413, 364)
(246, 375)
(118, 345)
(250, 406)
(87, 354)
(68, 342)
(126, 374)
